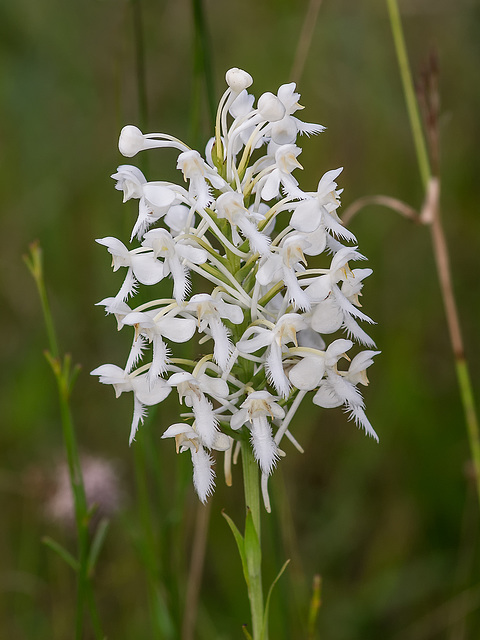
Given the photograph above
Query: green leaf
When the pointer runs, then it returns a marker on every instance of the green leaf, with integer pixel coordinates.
(246, 632)
(253, 550)
(264, 635)
(97, 544)
(62, 552)
(240, 544)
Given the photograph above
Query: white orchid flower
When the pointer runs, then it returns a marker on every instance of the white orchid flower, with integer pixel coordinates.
(144, 267)
(339, 389)
(285, 162)
(174, 252)
(193, 389)
(307, 373)
(132, 141)
(246, 229)
(230, 205)
(285, 131)
(145, 394)
(186, 439)
(284, 265)
(274, 339)
(197, 171)
(210, 311)
(334, 307)
(255, 410)
(156, 328)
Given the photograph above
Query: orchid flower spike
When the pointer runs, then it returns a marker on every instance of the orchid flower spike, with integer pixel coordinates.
(219, 260)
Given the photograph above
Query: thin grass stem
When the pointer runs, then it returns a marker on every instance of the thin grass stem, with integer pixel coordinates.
(431, 215)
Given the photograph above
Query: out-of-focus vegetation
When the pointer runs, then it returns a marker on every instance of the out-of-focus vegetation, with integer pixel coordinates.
(392, 528)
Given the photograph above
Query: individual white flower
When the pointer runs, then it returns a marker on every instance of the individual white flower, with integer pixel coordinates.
(193, 389)
(285, 162)
(117, 307)
(209, 312)
(130, 180)
(255, 409)
(307, 373)
(274, 339)
(284, 265)
(186, 439)
(335, 309)
(238, 80)
(144, 393)
(174, 251)
(132, 141)
(230, 205)
(197, 171)
(339, 388)
(155, 327)
(143, 266)
(285, 131)
(320, 209)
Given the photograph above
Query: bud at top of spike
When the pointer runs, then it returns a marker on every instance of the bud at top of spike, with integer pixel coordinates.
(238, 80)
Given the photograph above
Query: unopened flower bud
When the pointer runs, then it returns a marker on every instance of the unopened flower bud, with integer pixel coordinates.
(238, 80)
(270, 107)
(131, 141)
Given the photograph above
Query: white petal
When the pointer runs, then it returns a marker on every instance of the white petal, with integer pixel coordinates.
(177, 329)
(147, 269)
(213, 386)
(195, 255)
(264, 448)
(270, 270)
(327, 316)
(203, 474)
(231, 312)
(178, 428)
(263, 338)
(159, 197)
(150, 394)
(205, 420)
(326, 396)
(307, 373)
(275, 372)
(238, 419)
(307, 216)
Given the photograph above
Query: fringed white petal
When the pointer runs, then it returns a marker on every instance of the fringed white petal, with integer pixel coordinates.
(203, 473)
(264, 448)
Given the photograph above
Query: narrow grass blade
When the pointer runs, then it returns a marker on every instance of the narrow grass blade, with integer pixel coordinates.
(267, 604)
(240, 544)
(61, 551)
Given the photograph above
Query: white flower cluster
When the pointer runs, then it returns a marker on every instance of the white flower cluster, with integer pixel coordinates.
(243, 225)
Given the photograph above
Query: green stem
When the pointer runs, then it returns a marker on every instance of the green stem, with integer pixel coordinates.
(431, 216)
(251, 485)
(409, 91)
(471, 419)
(63, 375)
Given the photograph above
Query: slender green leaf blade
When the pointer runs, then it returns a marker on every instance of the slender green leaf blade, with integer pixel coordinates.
(97, 544)
(267, 604)
(240, 544)
(62, 552)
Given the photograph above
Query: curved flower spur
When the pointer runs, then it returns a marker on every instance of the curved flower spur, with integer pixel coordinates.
(262, 314)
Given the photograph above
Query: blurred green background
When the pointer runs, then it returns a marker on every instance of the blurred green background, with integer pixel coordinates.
(391, 528)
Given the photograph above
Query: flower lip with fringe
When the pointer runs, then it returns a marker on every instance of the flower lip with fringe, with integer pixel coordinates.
(262, 313)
